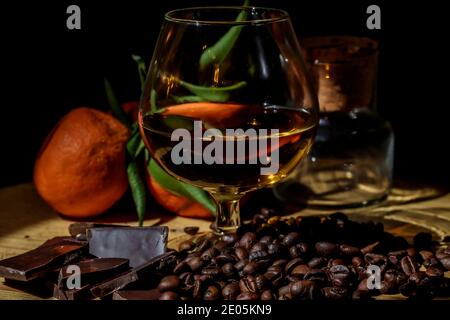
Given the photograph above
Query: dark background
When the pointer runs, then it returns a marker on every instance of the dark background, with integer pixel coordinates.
(46, 70)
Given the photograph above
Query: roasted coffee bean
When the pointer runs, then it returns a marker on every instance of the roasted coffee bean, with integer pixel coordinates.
(316, 275)
(291, 239)
(186, 245)
(191, 230)
(339, 275)
(434, 272)
(181, 266)
(292, 264)
(284, 290)
(248, 240)
(196, 263)
(325, 249)
(248, 284)
(335, 293)
(443, 253)
(431, 262)
(258, 219)
(446, 262)
(349, 251)
(197, 292)
(203, 245)
(241, 253)
(258, 255)
(187, 278)
(230, 238)
(280, 263)
(209, 253)
(261, 282)
(376, 259)
(240, 264)
(408, 265)
(228, 269)
(248, 296)
(211, 293)
(394, 278)
(267, 295)
(251, 268)
(291, 278)
(304, 290)
(169, 295)
(300, 270)
(169, 283)
(412, 252)
(213, 271)
(267, 212)
(259, 246)
(266, 240)
(317, 262)
(370, 248)
(395, 256)
(358, 261)
(274, 248)
(231, 291)
(426, 254)
(335, 262)
(224, 258)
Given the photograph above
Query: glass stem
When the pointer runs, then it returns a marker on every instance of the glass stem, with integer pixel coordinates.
(228, 217)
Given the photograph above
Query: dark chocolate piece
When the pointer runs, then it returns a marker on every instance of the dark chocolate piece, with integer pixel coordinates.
(139, 245)
(145, 276)
(137, 294)
(36, 263)
(78, 228)
(84, 293)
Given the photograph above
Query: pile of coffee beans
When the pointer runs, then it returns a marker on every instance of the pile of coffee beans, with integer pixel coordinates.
(306, 259)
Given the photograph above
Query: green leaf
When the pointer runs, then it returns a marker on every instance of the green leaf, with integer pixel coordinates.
(133, 143)
(220, 50)
(153, 105)
(185, 99)
(215, 94)
(139, 149)
(179, 187)
(137, 190)
(142, 69)
(114, 104)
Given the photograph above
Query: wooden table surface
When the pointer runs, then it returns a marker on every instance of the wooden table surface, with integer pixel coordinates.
(26, 221)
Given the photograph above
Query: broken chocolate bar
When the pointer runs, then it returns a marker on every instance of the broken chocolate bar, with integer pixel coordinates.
(145, 276)
(138, 245)
(91, 272)
(36, 263)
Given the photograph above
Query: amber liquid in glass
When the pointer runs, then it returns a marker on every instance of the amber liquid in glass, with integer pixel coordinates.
(296, 129)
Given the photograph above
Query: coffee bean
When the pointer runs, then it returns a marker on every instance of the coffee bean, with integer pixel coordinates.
(304, 290)
(266, 240)
(258, 255)
(446, 262)
(335, 262)
(274, 248)
(203, 245)
(348, 251)
(316, 275)
(230, 238)
(259, 246)
(181, 266)
(211, 293)
(186, 245)
(213, 271)
(169, 283)
(280, 263)
(370, 248)
(357, 261)
(284, 290)
(267, 212)
(197, 292)
(408, 265)
(248, 240)
(267, 295)
(248, 296)
(168, 295)
(335, 293)
(300, 270)
(292, 264)
(339, 275)
(196, 263)
(209, 253)
(376, 259)
(240, 264)
(191, 230)
(231, 291)
(325, 249)
(224, 258)
(291, 239)
(434, 272)
(251, 268)
(241, 253)
(248, 284)
(317, 262)
(228, 269)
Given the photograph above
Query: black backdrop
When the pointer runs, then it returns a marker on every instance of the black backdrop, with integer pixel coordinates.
(46, 69)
